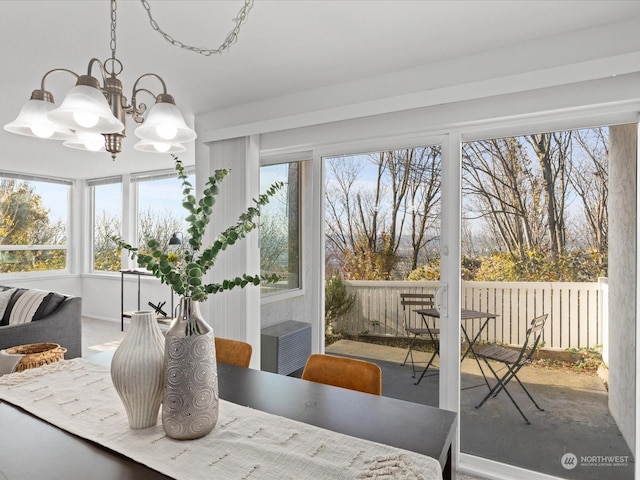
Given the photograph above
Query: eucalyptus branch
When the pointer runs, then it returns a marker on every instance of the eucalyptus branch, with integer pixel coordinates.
(186, 279)
(238, 231)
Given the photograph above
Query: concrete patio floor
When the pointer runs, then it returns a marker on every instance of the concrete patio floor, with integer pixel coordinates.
(575, 420)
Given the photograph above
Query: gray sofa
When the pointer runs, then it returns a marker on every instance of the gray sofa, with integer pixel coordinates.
(57, 319)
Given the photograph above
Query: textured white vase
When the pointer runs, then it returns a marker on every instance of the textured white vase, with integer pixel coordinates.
(137, 370)
(190, 405)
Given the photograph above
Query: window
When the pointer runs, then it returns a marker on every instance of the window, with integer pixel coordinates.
(548, 216)
(107, 222)
(382, 214)
(33, 223)
(160, 213)
(280, 227)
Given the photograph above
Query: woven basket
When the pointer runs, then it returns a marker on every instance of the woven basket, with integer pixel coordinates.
(37, 354)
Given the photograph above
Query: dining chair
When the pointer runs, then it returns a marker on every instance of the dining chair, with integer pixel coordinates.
(234, 352)
(344, 372)
(411, 302)
(513, 360)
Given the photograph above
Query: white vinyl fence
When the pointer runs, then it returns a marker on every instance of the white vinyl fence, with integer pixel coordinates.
(577, 316)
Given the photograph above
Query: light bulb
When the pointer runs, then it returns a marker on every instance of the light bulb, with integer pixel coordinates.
(86, 120)
(42, 131)
(161, 146)
(167, 131)
(91, 141)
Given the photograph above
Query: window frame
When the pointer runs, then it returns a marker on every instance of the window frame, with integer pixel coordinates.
(70, 184)
(139, 178)
(129, 205)
(90, 186)
(286, 293)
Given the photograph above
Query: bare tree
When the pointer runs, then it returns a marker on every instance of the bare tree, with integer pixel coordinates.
(106, 254)
(373, 222)
(502, 189)
(273, 242)
(341, 195)
(158, 226)
(424, 196)
(553, 150)
(589, 179)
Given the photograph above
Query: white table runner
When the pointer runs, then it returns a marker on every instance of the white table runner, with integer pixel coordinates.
(246, 444)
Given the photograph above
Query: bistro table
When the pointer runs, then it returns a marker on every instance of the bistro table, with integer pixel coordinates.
(39, 450)
(465, 315)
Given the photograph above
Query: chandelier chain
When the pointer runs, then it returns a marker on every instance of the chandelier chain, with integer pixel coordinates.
(112, 44)
(230, 39)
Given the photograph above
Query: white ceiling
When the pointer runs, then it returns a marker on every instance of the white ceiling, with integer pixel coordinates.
(286, 47)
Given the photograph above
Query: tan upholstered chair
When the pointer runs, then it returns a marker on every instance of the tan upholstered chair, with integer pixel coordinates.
(234, 352)
(344, 372)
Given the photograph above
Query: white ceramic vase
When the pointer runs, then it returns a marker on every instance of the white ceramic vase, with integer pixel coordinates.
(137, 370)
(190, 405)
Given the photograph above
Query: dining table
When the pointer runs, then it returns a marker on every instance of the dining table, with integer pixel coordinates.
(33, 448)
(465, 316)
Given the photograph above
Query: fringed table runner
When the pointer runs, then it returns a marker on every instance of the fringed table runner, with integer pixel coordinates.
(246, 444)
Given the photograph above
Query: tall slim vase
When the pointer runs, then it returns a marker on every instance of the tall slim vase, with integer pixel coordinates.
(137, 370)
(190, 405)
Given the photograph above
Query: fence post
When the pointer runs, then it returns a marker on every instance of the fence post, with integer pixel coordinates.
(603, 283)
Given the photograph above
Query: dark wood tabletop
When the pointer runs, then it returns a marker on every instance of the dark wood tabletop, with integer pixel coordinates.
(33, 449)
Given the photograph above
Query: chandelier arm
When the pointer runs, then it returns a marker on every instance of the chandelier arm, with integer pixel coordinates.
(139, 110)
(146, 90)
(145, 75)
(56, 70)
(229, 40)
(103, 71)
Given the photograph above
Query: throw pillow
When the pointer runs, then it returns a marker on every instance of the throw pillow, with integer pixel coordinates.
(26, 306)
(5, 296)
(49, 304)
(7, 312)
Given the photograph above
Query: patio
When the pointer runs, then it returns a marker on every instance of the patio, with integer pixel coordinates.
(576, 419)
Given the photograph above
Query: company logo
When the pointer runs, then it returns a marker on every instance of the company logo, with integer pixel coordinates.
(569, 461)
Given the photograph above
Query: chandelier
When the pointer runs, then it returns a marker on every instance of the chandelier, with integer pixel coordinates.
(92, 116)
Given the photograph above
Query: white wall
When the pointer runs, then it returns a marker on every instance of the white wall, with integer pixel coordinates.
(623, 277)
(236, 313)
(66, 284)
(102, 295)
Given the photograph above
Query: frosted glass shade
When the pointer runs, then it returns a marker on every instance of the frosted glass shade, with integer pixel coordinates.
(159, 147)
(85, 108)
(32, 121)
(92, 142)
(165, 123)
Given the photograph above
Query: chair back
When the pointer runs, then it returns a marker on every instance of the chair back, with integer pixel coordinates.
(534, 335)
(234, 352)
(413, 301)
(344, 372)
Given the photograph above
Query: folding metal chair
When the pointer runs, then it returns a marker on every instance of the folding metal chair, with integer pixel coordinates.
(513, 360)
(418, 300)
